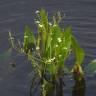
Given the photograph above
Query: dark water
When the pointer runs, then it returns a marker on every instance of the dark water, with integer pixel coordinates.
(15, 14)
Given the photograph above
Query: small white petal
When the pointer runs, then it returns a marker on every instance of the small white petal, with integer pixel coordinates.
(40, 25)
(49, 61)
(37, 12)
(37, 22)
(43, 86)
(59, 55)
(53, 59)
(56, 45)
(59, 40)
(50, 24)
(37, 48)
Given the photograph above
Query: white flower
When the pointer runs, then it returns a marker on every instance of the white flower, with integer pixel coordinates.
(37, 12)
(40, 25)
(56, 45)
(37, 22)
(43, 86)
(50, 24)
(60, 55)
(59, 40)
(53, 59)
(37, 48)
(50, 60)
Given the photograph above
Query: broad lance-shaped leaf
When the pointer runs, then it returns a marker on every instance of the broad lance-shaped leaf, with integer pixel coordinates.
(91, 68)
(52, 40)
(56, 39)
(43, 28)
(79, 52)
(29, 39)
(44, 19)
(48, 47)
(42, 37)
(64, 46)
(66, 42)
(79, 56)
(56, 33)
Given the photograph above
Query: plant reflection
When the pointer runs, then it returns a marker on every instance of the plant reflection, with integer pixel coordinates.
(79, 88)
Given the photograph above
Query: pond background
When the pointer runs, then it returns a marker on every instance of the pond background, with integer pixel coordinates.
(15, 14)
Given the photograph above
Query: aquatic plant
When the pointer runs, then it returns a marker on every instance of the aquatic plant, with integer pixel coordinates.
(48, 50)
(91, 68)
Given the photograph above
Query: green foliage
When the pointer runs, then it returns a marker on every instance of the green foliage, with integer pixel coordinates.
(29, 39)
(51, 47)
(79, 53)
(91, 68)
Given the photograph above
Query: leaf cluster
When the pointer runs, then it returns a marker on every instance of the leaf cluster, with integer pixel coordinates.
(51, 47)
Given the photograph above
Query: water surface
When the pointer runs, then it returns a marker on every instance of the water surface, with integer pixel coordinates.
(15, 14)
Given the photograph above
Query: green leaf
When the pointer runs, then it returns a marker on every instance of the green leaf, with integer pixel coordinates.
(78, 73)
(43, 36)
(48, 47)
(44, 19)
(29, 39)
(64, 46)
(66, 42)
(91, 68)
(56, 34)
(52, 40)
(51, 68)
(79, 52)
(43, 28)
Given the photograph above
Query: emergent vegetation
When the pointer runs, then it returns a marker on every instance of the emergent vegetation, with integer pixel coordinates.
(48, 51)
